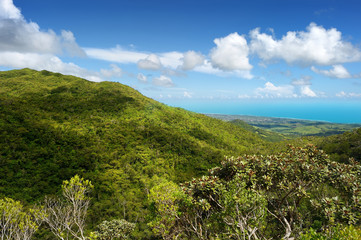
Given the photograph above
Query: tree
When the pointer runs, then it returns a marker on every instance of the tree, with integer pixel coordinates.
(244, 211)
(165, 198)
(66, 217)
(222, 209)
(115, 229)
(276, 196)
(299, 185)
(16, 222)
(200, 207)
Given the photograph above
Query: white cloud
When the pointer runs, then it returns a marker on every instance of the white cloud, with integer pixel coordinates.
(187, 94)
(306, 91)
(243, 96)
(147, 61)
(192, 59)
(115, 71)
(209, 69)
(271, 91)
(231, 53)
(142, 78)
(163, 81)
(306, 80)
(168, 63)
(304, 86)
(343, 94)
(45, 62)
(171, 59)
(18, 35)
(337, 71)
(69, 44)
(151, 62)
(317, 46)
(24, 45)
(8, 10)
(116, 54)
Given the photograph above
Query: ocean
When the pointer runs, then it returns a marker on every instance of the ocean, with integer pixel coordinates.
(345, 111)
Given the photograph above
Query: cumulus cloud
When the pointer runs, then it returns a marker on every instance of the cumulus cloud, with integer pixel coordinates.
(16, 34)
(231, 53)
(337, 71)
(8, 10)
(151, 62)
(171, 59)
(271, 91)
(316, 46)
(114, 71)
(306, 91)
(69, 44)
(304, 86)
(192, 59)
(208, 68)
(163, 81)
(142, 78)
(24, 45)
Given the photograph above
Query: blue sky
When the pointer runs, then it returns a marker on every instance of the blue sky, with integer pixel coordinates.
(188, 52)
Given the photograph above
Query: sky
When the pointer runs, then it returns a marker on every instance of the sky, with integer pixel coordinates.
(211, 56)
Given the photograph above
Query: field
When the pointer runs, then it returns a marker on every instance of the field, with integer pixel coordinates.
(291, 127)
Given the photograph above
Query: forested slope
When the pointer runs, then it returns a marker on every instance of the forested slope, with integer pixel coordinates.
(341, 147)
(54, 126)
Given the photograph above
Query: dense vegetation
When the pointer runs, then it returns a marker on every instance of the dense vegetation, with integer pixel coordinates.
(136, 152)
(343, 146)
(278, 196)
(53, 127)
(265, 134)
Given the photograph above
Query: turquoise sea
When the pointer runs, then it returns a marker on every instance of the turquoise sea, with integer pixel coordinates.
(345, 111)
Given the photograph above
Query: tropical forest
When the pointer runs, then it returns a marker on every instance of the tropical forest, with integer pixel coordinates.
(98, 160)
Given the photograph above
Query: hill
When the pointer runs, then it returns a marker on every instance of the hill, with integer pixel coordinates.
(263, 133)
(341, 147)
(54, 126)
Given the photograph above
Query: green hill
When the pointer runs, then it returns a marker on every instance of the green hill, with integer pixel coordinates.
(54, 126)
(343, 146)
(265, 134)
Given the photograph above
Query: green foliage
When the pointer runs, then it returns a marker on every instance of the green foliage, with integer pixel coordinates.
(76, 189)
(274, 196)
(53, 127)
(115, 229)
(244, 211)
(165, 197)
(339, 232)
(16, 222)
(66, 217)
(263, 133)
(344, 146)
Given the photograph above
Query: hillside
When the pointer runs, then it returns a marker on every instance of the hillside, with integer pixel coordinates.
(343, 146)
(265, 134)
(54, 126)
